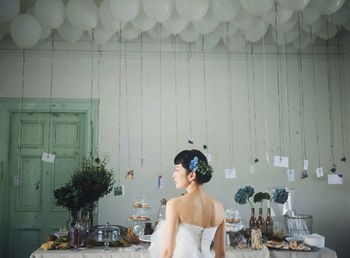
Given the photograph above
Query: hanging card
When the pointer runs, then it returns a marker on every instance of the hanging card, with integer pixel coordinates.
(48, 157)
(306, 164)
(119, 190)
(281, 161)
(319, 172)
(290, 175)
(335, 179)
(230, 173)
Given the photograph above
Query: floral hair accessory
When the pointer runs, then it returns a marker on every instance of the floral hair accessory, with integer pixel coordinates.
(199, 166)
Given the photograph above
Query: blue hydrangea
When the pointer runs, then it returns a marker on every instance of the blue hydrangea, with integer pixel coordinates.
(280, 196)
(193, 164)
(241, 196)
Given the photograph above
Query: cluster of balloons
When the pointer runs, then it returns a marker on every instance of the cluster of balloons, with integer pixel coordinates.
(206, 22)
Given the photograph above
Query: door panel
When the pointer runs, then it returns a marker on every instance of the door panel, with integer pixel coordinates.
(33, 214)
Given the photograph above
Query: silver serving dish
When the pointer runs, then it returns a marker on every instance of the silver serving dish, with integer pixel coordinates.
(106, 233)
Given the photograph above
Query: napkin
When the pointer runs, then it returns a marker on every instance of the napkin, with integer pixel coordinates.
(314, 240)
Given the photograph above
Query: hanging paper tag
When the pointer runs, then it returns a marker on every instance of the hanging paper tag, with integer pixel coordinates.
(252, 168)
(48, 157)
(119, 190)
(160, 183)
(281, 161)
(335, 179)
(306, 164)
(230, 173)
(290, 175)
(319, 172)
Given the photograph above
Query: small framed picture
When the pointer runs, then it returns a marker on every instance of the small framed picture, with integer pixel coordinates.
(118, 190)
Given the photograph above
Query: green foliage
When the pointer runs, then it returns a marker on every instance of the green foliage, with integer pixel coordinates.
(91, 181)
(260, 197)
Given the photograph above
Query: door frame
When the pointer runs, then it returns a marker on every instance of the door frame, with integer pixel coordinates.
(11, 105)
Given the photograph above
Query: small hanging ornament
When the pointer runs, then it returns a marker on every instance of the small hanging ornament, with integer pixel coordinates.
(304, 174)
(343, 159)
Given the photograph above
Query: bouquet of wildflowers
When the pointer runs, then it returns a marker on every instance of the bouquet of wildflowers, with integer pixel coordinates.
(243, 195)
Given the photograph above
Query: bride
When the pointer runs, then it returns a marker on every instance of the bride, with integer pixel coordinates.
(193, 220)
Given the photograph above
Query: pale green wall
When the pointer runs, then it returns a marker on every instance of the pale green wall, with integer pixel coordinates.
(329, 204)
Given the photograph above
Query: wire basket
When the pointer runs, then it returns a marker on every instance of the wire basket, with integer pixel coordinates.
(298, 226)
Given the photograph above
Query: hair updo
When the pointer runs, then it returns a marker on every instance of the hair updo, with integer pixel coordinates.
(185, 157)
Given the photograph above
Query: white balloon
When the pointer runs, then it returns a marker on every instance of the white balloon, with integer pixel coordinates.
(304, 40)
(331, 6)
(82, 14)
(175, 24)
(316, 26)
(257, 31)
(101, 34)
(159, 10)
(283, 15)
(8, 10)
(143, 22)
(25, 30)
(285, 27)
(341, 16)
(129, 32)
(192, 10)
(207, 24)
(208, 41)
(294, 5)
(159, 32)
(125, 10)
(328, 31)
(50, 12)
(45, 29)
(285, 38)
(189, 34)
(310, 15)
(235, 42)
(244, 20)
(107, 19)
(257, 7)
(225, 10)
(69, 33)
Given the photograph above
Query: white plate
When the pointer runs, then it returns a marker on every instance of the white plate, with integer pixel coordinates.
(145, 238)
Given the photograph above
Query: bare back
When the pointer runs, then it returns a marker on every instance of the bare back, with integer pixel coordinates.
(199, 209)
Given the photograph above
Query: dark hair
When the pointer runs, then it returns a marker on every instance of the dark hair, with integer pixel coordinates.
(184, 158)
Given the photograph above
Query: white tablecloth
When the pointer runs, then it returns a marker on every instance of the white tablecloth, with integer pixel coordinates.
(136, 251)
(141, 251)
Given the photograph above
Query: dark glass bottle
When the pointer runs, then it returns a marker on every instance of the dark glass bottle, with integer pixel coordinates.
(252, 220)
(269, 224)
(261, 222)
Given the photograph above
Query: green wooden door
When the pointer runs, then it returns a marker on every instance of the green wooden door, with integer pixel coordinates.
(32, 213)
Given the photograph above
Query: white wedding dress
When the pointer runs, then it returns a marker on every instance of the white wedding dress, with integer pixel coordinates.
(192, 241)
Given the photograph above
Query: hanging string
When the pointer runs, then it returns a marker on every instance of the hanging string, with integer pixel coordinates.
(51, 82)
(254, 106)
(99, 70)
(301, 91)
(189, 55)
(248, 96)
(288, 101)
(330, 102)
(340, 83)
(315, 100)
(176, 93)
(230, 108)
(265, 107)
(205, 95)
(160, 99)
(141, 97)
(127, 102)
(119, 104)
(21, 112)
(91, 92)
(280, 108)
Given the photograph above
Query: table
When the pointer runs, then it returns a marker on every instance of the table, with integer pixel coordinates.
(322, 253)
(141, 251)
(136, 251)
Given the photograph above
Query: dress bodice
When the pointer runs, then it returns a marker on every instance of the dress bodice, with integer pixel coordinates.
(192, 241)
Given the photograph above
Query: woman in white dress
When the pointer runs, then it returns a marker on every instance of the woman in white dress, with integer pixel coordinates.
(193, 220)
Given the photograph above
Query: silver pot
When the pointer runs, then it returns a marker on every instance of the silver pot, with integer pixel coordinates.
(106, 233)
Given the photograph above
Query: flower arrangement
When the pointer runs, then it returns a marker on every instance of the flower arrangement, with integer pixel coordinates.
(260, 197)
(244, 194)
(200, 166)
(91, 181)
(280, 196)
